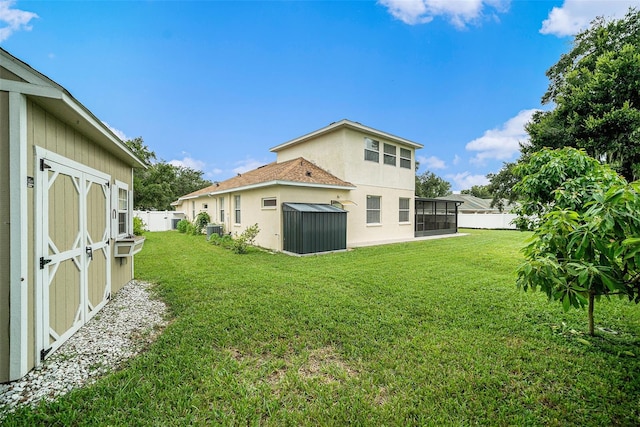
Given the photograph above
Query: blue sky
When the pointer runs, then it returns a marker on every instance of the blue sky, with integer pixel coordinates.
(214, 85)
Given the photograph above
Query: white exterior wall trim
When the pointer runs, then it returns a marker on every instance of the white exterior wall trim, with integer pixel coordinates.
(18, 334)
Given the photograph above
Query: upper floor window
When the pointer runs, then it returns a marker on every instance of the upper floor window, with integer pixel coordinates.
(389, 154)
(371, 150)
(373, 209)
(405, 158)
(403, 209)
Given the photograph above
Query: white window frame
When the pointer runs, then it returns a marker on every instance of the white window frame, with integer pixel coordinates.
(116, 210)
(371, 149)
(269, 206)
(222, 210)
(404, 159)
(237, 213)
(374, 210)
(389, 155)
(403, 212)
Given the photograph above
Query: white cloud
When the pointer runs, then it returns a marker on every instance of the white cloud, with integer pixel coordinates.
(459, 13)
(247, 165)
(12, 20)
(118, 132)
(464, 180)
(502, 143)
(576, 15)
(432, 162)
(456, 160)
(188, 162)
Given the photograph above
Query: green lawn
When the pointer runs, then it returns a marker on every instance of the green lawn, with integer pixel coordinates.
(423, 333)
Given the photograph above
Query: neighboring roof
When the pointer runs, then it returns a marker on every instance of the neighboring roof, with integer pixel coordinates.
(473, 203)
(297, 172)
(314, 207)
(349, 125)
(58, 100)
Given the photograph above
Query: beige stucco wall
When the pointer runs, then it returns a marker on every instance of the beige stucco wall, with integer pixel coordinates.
(4, 237)
(342, 153)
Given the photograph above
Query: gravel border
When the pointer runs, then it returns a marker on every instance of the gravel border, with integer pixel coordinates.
(122, 329)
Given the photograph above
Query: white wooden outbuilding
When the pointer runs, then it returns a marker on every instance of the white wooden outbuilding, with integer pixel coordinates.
(66, 184)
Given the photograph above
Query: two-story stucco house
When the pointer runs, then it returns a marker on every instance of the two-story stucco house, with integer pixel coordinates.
(343, 167)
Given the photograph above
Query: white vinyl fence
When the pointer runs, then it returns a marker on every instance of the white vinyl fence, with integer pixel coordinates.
(490, 221)
(159, 220)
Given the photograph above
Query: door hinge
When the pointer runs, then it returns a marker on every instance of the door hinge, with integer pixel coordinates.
(44, 262)
(43, 165)
(44, 352)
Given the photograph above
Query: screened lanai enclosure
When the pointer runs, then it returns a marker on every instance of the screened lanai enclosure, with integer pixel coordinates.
(436, 216)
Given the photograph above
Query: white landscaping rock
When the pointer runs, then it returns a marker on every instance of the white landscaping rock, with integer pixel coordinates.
(124, 326)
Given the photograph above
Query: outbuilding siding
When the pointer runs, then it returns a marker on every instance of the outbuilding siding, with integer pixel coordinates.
(48, 132)
(4, 237)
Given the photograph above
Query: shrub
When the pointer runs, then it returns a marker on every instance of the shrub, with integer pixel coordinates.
(190, 229)
(202, 220)
(182, 225)
(139, 226)
(224, 241)
(245, 239)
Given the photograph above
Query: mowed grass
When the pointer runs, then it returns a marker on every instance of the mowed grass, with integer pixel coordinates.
(422, 333)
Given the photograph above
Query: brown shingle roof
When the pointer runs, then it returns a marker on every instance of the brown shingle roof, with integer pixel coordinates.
(298, 170)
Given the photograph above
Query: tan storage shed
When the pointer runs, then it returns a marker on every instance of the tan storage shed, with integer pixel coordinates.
(66, 185)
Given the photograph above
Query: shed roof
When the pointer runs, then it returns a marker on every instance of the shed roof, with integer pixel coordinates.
(55, 98)
(297, 172)
(314, 207)
(344, 123)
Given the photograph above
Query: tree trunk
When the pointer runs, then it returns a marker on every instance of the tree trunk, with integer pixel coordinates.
(591, 301)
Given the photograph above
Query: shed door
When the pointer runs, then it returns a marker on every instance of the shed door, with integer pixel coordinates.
(75, 261)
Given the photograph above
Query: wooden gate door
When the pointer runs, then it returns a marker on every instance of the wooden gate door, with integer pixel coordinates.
(75, 257)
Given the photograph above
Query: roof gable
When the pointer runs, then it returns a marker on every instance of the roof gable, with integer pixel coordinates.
(18, 76)
(292, 172)
(342, 124)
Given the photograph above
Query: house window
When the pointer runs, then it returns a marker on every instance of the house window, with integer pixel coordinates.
(405, 158)
(236, 203)
(269, 202)
(193, 211)
(389, 154)
(122, 206)
(373, 209)
(222, 210)
(371, 150)
(403, 210)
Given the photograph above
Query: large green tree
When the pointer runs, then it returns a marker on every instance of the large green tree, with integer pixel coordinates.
(481, 191)
(161, 183)
(586, 242)
(595, 89)
(431, 185)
